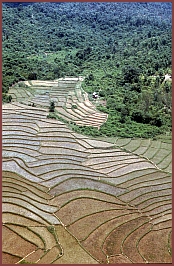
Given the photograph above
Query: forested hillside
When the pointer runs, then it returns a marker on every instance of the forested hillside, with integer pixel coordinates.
(86, 133)
(123, 50)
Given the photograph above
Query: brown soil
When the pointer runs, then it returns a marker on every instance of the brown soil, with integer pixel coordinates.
(113, 243)
(47, 237)
(119, 259)
(9, 259)
(161, 218)
(50, 256)
(154, 247)
(129, 245)
(35, 256)
(83, 227)
(14, 244)
(96, 239)
(163, 225)
(72, 252)
(81, 207)
(64, 198)
(27, 234)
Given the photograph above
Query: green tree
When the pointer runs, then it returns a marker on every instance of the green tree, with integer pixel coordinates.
(52, 106)
(131, 74)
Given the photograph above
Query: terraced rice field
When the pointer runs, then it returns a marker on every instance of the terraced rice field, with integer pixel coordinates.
(158, 151)
(70, 99)
(71, 199)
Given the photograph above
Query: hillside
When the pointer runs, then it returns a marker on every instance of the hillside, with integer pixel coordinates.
(122, 49)
(86, 133)
(71, 101)
(68, 198)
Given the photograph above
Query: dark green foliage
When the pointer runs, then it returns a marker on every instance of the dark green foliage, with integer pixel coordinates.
(84, 54)
(52, 116)
(74, 106)
(89, 131)
(32, 76)
(51, 229)
(91, 77)
(52, 107)
(57, 117)
(131, 74)
(123, 50)
(6, 98)
(137, 116)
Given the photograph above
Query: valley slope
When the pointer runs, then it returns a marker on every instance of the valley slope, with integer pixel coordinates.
(68, 198)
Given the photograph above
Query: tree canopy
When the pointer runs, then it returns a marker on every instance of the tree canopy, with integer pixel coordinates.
(123, 50)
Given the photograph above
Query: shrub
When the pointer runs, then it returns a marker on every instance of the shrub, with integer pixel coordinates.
(6, 98)
(74, 106)
(52, 107)
(52, 116)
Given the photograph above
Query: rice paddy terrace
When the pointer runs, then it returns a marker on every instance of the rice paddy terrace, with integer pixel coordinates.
(71, 199)
(70, 99)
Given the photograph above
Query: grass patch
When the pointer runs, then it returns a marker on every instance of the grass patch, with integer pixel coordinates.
(26, 262)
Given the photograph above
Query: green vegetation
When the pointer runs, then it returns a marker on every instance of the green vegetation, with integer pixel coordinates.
(25, 262)
(123, 50)
(56, 116)
(52, 107)
(6, 98)
(74, 106)
(51, 229)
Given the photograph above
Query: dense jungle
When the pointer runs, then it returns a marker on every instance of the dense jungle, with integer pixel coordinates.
(122, 49)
